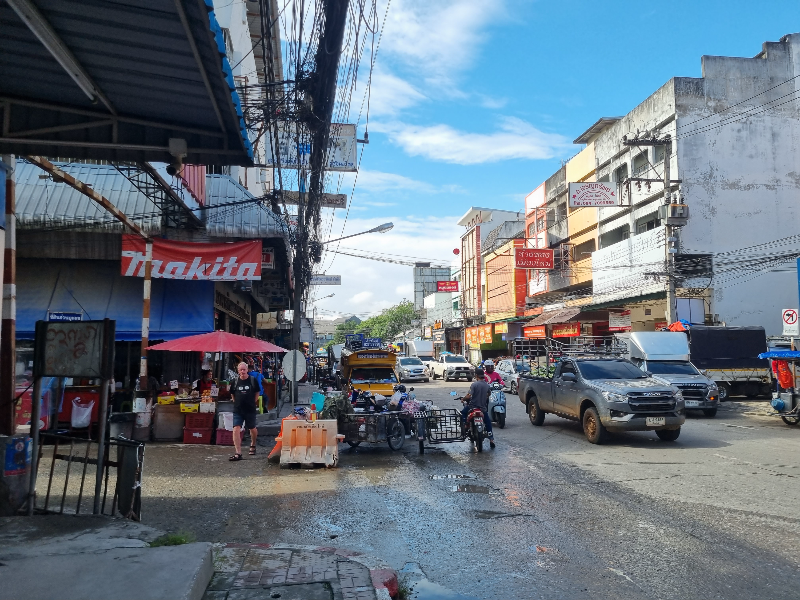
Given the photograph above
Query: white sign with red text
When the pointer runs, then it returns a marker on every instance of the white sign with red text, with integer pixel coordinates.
(593, 193)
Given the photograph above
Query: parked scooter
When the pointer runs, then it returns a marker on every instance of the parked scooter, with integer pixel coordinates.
(497, 405)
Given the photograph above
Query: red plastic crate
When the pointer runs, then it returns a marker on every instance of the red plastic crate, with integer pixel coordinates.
(224, 437)
(199, 420)
(195, 435)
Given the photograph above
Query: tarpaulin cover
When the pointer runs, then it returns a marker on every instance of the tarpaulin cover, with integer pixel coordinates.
(781, 355)
(95, 288)
(218, 341)
(727, 347)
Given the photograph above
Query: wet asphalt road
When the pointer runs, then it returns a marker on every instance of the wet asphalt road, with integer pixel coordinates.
(545, 515)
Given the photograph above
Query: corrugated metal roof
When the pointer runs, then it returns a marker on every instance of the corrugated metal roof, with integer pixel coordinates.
(554, 316)
(245, 220)
(159, 67)
(44, 204)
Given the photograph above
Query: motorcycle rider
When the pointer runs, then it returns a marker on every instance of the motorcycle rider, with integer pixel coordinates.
(478, 397)
(491, 374)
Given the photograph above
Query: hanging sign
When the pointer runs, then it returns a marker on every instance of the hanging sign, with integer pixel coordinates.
(619, 321)
(472, 336)
(64, 317)
(238, 261)
(294, 148)
(485, 334)
(374, 343)
(326, 280)
(446, 286)
(533, 258)
(595, 193)
(500, 328)
(791, 325)
(567, 330)
(537, 331)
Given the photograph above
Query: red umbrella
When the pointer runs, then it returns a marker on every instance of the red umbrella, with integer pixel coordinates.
(218, 341)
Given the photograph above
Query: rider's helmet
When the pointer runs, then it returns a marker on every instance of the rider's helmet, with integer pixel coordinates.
(488, 366)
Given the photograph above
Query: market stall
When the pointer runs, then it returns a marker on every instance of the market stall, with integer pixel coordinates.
(189, 411)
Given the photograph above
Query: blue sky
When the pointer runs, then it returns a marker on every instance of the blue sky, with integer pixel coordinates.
(475, 103)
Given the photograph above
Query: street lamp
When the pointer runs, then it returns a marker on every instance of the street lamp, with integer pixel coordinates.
(314, 317)
(379, 229)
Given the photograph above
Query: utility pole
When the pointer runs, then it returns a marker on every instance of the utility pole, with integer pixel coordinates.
(669, 229)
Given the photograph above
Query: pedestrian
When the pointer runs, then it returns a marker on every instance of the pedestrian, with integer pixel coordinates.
(244, 391)
(478, 397)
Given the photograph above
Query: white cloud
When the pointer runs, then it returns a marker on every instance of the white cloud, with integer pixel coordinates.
(369, 286)
(389, 94)
(361, 297)
(438, 38)
(379, 181)
(515, 139)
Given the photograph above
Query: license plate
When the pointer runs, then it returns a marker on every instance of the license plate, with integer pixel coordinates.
(655, 421)
(691, 403)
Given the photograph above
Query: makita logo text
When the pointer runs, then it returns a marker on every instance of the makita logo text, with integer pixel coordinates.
(221, 269)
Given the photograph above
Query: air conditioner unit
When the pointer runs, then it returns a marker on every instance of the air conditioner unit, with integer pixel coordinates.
(674, 214)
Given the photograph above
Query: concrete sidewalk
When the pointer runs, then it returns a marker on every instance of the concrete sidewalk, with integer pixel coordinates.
(67, 557)
(290, 572)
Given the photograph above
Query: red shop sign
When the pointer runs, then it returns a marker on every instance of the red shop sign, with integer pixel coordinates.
(533, 258)
(193, 261)
(537, 331)
(446, 286)
(567, 330)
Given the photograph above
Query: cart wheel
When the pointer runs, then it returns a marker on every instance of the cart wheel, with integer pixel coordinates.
(421, 447)
(791, 419)
(353, 444)
(396, 436)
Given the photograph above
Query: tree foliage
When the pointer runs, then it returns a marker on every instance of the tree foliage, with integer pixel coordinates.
(386, 325)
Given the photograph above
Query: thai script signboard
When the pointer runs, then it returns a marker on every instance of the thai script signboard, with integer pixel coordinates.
(446, 286)
(595, 193)
(533, 258)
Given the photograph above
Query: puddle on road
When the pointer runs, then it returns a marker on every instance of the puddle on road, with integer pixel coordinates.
(452, 477)
(469, 488)
(421, 588)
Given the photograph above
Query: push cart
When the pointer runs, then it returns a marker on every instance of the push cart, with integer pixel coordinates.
(437, 426)
(787, 403)
(374, 428)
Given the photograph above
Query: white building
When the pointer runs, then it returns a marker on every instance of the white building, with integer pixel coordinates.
(736, 152)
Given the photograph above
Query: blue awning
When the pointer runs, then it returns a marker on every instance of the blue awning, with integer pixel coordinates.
(119, 81)
(781, 355)
(96, 289)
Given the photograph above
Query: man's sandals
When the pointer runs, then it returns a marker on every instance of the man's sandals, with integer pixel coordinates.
(237, 456)
(252, 450)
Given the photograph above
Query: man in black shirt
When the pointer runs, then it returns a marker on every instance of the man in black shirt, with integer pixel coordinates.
(244, 391)
(478, 397)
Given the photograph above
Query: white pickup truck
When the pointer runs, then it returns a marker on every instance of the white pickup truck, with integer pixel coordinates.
(452, 366)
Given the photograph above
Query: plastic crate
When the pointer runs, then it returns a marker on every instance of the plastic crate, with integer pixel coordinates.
(192, 435)
(224, 437)
(199, 420)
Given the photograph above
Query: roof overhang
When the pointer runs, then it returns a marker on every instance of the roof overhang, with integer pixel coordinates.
(596, 129)
(119, 81)
(476, 215)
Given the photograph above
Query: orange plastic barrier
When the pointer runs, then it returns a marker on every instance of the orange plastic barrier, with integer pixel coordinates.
(309, 443)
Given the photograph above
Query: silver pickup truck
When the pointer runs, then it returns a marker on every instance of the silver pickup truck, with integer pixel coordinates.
(605, 394)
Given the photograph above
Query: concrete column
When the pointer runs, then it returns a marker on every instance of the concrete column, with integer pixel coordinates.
(8, 327)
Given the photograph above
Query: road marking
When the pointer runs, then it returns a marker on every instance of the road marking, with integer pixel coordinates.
(737, 426)
(621, 574)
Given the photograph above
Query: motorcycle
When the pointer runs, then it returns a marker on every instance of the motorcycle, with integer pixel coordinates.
(475, 427)
(497, 404)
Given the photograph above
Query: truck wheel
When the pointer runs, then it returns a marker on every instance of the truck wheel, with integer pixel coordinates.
(535, 414)
(724, 391)
(668, 435)
(595, 431)
(710, 412)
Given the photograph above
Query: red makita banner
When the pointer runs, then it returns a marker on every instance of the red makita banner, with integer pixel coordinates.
(528, 258)
(190, 260)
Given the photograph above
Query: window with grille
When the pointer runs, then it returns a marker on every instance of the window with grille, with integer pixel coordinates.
(647, 223)
(640, 164)
(621, 172)
(614, 236)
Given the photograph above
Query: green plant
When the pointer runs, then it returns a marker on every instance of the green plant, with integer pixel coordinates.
(403, 589)
(173, 539)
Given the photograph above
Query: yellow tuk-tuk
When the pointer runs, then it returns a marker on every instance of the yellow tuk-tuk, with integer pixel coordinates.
(370, 370)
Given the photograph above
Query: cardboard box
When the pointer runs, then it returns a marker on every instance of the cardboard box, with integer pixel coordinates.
(190, 407)
(208, 407)
(166, 399)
